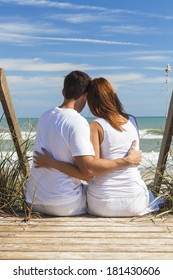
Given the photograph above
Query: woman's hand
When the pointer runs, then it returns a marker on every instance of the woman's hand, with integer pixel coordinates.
(43, 160)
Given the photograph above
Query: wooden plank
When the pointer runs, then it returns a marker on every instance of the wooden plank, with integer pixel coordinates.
(85, 256)
(165, 146)
(10, 115)
(29, 247)
(99, 235)
(56, 241)
(79, 224)
(88, 220)
(63, 234)
(86, 217)
(82, 229)
(79, 220)
(86, 237)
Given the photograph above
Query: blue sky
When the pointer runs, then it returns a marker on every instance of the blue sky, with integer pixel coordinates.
(128, 42)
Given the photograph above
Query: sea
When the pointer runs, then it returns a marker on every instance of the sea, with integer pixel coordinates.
(150, 131)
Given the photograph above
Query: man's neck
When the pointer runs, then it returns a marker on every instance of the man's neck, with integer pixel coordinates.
(68, 104)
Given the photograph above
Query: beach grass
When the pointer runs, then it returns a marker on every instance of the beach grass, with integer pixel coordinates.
(13, 182)
(12, 185)
(165, 189)
(13, 177)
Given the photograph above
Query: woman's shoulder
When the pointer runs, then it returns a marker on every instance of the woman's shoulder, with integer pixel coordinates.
(101, 121)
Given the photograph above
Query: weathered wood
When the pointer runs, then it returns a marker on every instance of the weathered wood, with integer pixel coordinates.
(10, 115)
(86, 238)
(99, 235)
(165, 146)
(72, 228)
(88, 218)
(78, 224)
(152, 248)
(56, 241)
(86, 256)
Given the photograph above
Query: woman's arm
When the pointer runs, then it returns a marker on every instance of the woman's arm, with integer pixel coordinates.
(97, 136)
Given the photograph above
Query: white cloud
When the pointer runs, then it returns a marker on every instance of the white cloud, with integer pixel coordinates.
(47, 3)
(88, 40)
(130, 29)
(155, 68)
(20, 38)
(151, 58)
(134, 78)
(37, 64)
(31, 82)
(121, 78)
(76, 18)
(18, 28)
(67, 5)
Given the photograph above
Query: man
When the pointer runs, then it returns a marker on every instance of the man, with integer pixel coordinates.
(65, 134)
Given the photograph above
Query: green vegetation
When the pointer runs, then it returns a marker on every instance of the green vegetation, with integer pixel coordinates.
(12, 181)
(12, 184)
(13, 176)
(165, 190)
(155, 131)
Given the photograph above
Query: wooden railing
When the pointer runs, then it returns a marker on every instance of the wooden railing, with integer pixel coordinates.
(165, 146)
(10, 115)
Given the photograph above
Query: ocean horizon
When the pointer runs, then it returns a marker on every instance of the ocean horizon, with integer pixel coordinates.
(150, 131)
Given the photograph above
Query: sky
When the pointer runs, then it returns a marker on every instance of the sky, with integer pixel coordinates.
(129, 43)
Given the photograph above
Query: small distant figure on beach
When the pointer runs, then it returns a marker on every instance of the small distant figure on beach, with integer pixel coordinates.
(65, 134)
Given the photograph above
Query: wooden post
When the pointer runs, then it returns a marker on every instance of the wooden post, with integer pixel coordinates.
(165, 146)
(9, 112)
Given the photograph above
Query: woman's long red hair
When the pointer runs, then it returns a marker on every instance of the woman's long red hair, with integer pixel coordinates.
(104, 103)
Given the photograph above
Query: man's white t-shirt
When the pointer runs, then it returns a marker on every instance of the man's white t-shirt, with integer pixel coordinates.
(65, 134)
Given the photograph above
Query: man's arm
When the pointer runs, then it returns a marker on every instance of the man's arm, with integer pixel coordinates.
(88, 166)
(91, 166)
(45, 160)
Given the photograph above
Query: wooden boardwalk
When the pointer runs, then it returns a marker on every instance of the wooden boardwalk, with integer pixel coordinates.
(86, 238)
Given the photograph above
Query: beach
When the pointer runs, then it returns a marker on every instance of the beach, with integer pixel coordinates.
(150, 131)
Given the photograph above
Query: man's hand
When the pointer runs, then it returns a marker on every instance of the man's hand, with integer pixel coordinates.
(134, 157)
(43, 160)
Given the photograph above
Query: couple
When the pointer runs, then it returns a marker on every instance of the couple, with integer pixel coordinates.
(68, 150)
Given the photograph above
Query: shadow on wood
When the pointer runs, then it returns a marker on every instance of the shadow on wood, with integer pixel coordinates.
(10, 115)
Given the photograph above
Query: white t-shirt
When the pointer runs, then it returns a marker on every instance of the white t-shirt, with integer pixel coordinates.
(65, 134)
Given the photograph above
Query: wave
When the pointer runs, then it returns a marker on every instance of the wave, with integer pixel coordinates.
(149, 160)
(150, 134)
(25, 135)
(148, 163)
(144, 134)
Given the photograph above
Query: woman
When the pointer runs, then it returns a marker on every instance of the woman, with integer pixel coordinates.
(120, 193)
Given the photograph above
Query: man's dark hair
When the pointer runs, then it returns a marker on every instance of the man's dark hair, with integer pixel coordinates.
(76, 84)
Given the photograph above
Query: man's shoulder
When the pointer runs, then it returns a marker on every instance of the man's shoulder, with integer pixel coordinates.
(49, 111)
(74, 116)
(69, 118)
